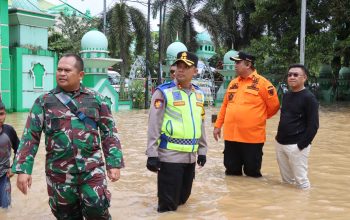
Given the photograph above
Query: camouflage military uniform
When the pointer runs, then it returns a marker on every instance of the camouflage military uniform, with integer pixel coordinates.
(74, 166)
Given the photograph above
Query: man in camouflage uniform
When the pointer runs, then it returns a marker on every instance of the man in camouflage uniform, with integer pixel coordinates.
(75, 174)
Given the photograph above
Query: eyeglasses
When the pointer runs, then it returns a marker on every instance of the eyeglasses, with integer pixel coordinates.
(172, 71)
(294, 75)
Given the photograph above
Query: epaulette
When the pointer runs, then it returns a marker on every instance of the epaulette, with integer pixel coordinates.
(166, 85)
(52, 90)
(195, 86)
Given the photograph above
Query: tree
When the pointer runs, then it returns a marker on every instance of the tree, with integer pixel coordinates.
(340, 25)
(180, 19)
(69, 32)
(125, 25)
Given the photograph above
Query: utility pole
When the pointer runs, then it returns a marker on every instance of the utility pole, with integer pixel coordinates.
(302, 31)
(148, 38)
(160, 70)
(104, 16)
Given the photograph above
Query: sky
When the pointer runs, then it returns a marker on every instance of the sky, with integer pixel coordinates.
(96, 8)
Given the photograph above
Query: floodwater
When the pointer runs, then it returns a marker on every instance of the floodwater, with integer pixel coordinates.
(214, 195)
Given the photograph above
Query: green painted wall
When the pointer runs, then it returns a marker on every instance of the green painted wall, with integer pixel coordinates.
(107, 90)
(5, 79)
(90, 80)
(22, 35)
(24, 91)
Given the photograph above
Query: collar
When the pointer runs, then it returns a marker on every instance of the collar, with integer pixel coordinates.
(250, 76)
(180, 87)
(82, 89)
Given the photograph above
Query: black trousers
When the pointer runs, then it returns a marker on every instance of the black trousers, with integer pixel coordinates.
(174, 185)
(239, 155)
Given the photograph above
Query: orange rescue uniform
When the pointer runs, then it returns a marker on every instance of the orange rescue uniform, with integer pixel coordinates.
(246, 106)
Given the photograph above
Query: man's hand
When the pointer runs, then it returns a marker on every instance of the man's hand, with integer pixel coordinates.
(24, 181)
(153, 164)
(217, 133)
(9, 174)
(113, 174)
(201, 160)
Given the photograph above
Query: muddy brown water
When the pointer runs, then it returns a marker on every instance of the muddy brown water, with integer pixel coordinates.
(214, 195)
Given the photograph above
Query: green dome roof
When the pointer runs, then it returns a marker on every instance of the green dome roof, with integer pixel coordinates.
(227, 56)
(203, 38)
(174, 48)
(325, 71)
(344, 73)
(94, 40)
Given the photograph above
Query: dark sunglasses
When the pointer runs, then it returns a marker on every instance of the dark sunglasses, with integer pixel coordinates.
(172, 71)
(293, 74)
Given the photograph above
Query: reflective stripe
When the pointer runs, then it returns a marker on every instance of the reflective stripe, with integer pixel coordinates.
(183, 141)
(189, 142)
(173, 114)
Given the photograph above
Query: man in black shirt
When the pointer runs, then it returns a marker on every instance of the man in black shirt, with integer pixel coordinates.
(297, 128)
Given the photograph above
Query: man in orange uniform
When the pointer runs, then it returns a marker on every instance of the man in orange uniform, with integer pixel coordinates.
(249, 100)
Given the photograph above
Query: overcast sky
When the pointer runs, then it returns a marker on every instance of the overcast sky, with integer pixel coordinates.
(96, 8)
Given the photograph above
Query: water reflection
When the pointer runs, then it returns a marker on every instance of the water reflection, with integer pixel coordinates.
(214, 195)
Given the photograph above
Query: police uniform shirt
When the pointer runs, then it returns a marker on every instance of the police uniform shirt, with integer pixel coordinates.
(156, 115)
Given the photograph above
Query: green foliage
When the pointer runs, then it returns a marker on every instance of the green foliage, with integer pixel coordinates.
(271, 60)
(58, 43)
(137, 93)
(319, 50)
(67, 35)
(270, 29)
(125, 24)
(180, 19)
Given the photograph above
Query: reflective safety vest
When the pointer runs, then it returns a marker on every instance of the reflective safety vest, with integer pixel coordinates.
(182, 123)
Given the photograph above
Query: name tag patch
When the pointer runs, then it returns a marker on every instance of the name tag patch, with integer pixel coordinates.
(179, 103)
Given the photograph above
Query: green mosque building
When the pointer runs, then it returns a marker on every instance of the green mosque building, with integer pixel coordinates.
(27, 67)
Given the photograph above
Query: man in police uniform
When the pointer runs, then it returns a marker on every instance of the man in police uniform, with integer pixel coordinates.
(75, 120)
(250, 99)
(176, 134)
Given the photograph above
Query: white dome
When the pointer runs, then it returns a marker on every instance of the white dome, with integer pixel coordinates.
(174, 48)
(94, 40)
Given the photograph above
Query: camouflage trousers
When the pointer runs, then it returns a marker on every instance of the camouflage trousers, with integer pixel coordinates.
(79, 196)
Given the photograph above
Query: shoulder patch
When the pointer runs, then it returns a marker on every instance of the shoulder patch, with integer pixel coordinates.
(158, 103)
(271, 90)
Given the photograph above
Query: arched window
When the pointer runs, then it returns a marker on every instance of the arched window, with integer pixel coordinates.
(38, 73)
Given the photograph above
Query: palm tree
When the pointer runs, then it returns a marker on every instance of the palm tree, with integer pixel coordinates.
(180, 19)
(124, 25)
(229, 22)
